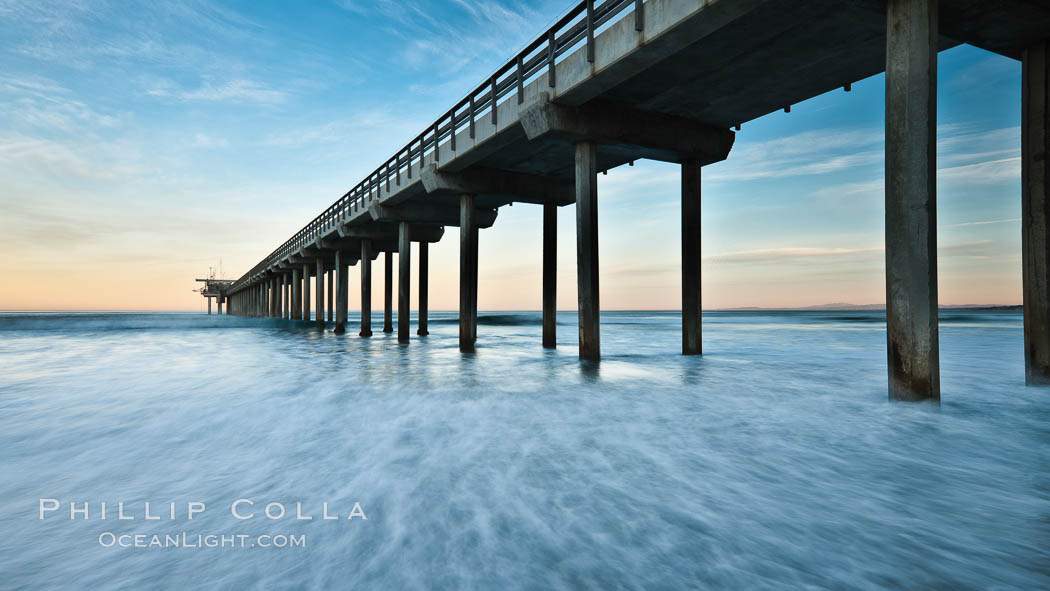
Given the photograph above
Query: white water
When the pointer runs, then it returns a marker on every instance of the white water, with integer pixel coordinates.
(774, 461)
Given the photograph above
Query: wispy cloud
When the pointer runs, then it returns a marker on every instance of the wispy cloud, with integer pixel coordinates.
(983, 223)
(235, 91)
(980, 248)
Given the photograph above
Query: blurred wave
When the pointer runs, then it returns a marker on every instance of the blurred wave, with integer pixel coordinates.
(774, 461)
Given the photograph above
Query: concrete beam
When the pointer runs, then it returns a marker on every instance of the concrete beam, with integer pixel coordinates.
(428, 213)
(508, 186)
(389, 231)
(911, 200)
(1035, 211)
(652, 135)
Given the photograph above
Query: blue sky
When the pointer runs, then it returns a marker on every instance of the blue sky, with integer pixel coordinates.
(139, 144)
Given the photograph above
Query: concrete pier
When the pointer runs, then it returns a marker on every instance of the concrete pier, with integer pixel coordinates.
(550, 275)
(209, 306)
(306, 292)
(691, 307)
(218, 303)
(587, 249)
(319, 288)
(341, 285)
(468, 284)
(656, 85)
(911, 200)
(366, 288)
(297, 295)
(404, 282)
(1035, 211)
(388, 291)
(422, 292)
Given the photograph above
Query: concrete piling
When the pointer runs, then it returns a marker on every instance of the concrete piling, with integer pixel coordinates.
(424, 281)
(388, 291)
(404, 282)
(911, 200)
(285, 304)
(340, 292)
(319, 288)
(550, 275)
(297, 296)
(366, 288)
(1035, 211)
(691, 307)
(468, 285)
(587, 249)
(331, 295)
(306, 292)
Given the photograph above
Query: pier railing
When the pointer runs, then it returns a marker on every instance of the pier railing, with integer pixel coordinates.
(577, 28)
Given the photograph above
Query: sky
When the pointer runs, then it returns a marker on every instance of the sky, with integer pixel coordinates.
(142, 144)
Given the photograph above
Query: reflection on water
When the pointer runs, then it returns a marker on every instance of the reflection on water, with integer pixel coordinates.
(774, 460)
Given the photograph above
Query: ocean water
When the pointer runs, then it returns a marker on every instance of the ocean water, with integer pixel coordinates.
(775, 461)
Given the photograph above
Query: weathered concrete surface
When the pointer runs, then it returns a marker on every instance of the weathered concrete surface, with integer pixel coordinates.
(691, 310)
(404, 283)
(424, 288)
(320, 293)
(468, 285)
(388, 292)
(366, 287)
(587, 250)
(297, 295)
(306, 291)
(341, 287)
(911, 200)
(1035, 211)
(550, 275)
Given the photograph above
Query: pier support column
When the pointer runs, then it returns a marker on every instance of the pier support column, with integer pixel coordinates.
(341, 284)
(209, 306)
(404, 283)
(468, 282)
(911, 200)
(319, 288)
(275, 297)
(1035, 211)
(306, 291)
(218, 303)
(424, 280)
(388, 291)
(331, 296)
(550, 275)
(691, 308)
(366, 288)
(587, 249)
(284, 297)
(297, 295)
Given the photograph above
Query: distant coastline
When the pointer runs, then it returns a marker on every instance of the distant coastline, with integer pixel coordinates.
(841, 307)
